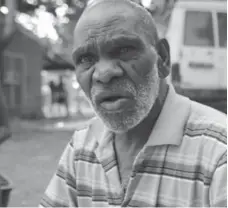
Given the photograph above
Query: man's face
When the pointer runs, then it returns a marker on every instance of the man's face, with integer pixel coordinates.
(116, 66)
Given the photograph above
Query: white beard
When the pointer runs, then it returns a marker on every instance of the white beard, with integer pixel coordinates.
(145, 96)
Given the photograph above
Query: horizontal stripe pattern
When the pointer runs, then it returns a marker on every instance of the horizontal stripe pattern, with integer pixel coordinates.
(184, 171)
(190, 174)
(204, 132)
(86, 156)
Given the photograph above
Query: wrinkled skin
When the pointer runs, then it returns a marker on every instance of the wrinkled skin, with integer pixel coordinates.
(114, 53)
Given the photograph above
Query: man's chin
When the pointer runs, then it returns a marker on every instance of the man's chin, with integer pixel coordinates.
(118, 121)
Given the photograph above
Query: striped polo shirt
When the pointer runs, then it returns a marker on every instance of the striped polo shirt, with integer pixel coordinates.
(183, 163)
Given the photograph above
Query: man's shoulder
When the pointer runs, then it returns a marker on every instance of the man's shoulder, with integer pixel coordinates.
(87, 133)
(207, 124)
(207, 116)
(202, 111)
(205, 133)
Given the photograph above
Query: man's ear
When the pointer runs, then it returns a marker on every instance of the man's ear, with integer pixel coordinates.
(163, 63)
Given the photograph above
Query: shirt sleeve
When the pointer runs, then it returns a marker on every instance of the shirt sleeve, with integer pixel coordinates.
(61, 190)
(218, 188)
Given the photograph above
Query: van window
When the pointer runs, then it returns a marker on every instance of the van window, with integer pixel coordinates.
(222, 29)
(198, 29)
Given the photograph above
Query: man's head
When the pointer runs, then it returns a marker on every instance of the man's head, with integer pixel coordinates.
(116, 59)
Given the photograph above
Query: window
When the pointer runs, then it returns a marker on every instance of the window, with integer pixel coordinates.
(198, 29)
(14, 65)
(13, 68)
(222, 29)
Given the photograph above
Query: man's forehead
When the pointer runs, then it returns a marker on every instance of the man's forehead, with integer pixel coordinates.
(104, 26)
(101, 23)
(105, 19)
(104, 16)
(113, 39)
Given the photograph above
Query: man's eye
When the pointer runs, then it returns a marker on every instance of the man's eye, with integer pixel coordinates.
(126, 49)
(86, 59)
(122, 51)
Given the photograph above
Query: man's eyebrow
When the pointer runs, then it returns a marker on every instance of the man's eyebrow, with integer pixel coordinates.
(82, 50)
(123, 39)
(110, 42)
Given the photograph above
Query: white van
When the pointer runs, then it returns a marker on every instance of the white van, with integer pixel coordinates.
(197, 34)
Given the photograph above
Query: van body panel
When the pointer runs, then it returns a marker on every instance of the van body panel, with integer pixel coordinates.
(221, 49)
(197, 63)
(193, 34)
(202, 4)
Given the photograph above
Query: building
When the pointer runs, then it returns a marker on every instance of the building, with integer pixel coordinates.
(23, 62)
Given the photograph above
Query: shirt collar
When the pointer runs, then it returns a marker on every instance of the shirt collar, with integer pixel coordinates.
(168, 129)
(170, 125)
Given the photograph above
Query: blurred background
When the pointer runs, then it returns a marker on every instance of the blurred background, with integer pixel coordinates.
(43, 98)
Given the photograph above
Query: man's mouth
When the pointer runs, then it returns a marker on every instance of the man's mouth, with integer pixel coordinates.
(113, 102)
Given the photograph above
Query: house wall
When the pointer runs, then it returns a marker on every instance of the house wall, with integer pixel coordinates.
(32, 54)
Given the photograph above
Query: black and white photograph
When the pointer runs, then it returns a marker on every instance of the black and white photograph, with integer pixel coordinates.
(113, 103)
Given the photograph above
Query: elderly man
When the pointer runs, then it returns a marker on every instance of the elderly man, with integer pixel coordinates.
(148, 146)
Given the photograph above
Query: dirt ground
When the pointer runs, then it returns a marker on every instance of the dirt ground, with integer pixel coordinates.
(29, 159)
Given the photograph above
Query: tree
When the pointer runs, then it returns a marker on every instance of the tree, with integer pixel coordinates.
(62, 13)
(7, 16)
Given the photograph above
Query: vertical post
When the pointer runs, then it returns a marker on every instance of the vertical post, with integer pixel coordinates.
(3, 109)
(0, 196)
(9, 20)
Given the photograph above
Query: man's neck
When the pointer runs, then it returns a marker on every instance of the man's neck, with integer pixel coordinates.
(139, 135)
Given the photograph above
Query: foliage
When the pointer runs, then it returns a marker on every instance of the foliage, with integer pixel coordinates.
(53, 21)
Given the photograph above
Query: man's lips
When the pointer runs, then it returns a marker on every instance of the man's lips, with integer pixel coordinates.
(111, 97)
(113, 101)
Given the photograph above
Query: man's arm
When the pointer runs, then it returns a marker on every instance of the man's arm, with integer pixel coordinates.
(218, 188)
(61, 190)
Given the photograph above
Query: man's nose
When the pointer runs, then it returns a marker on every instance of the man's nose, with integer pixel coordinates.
(106, 70)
